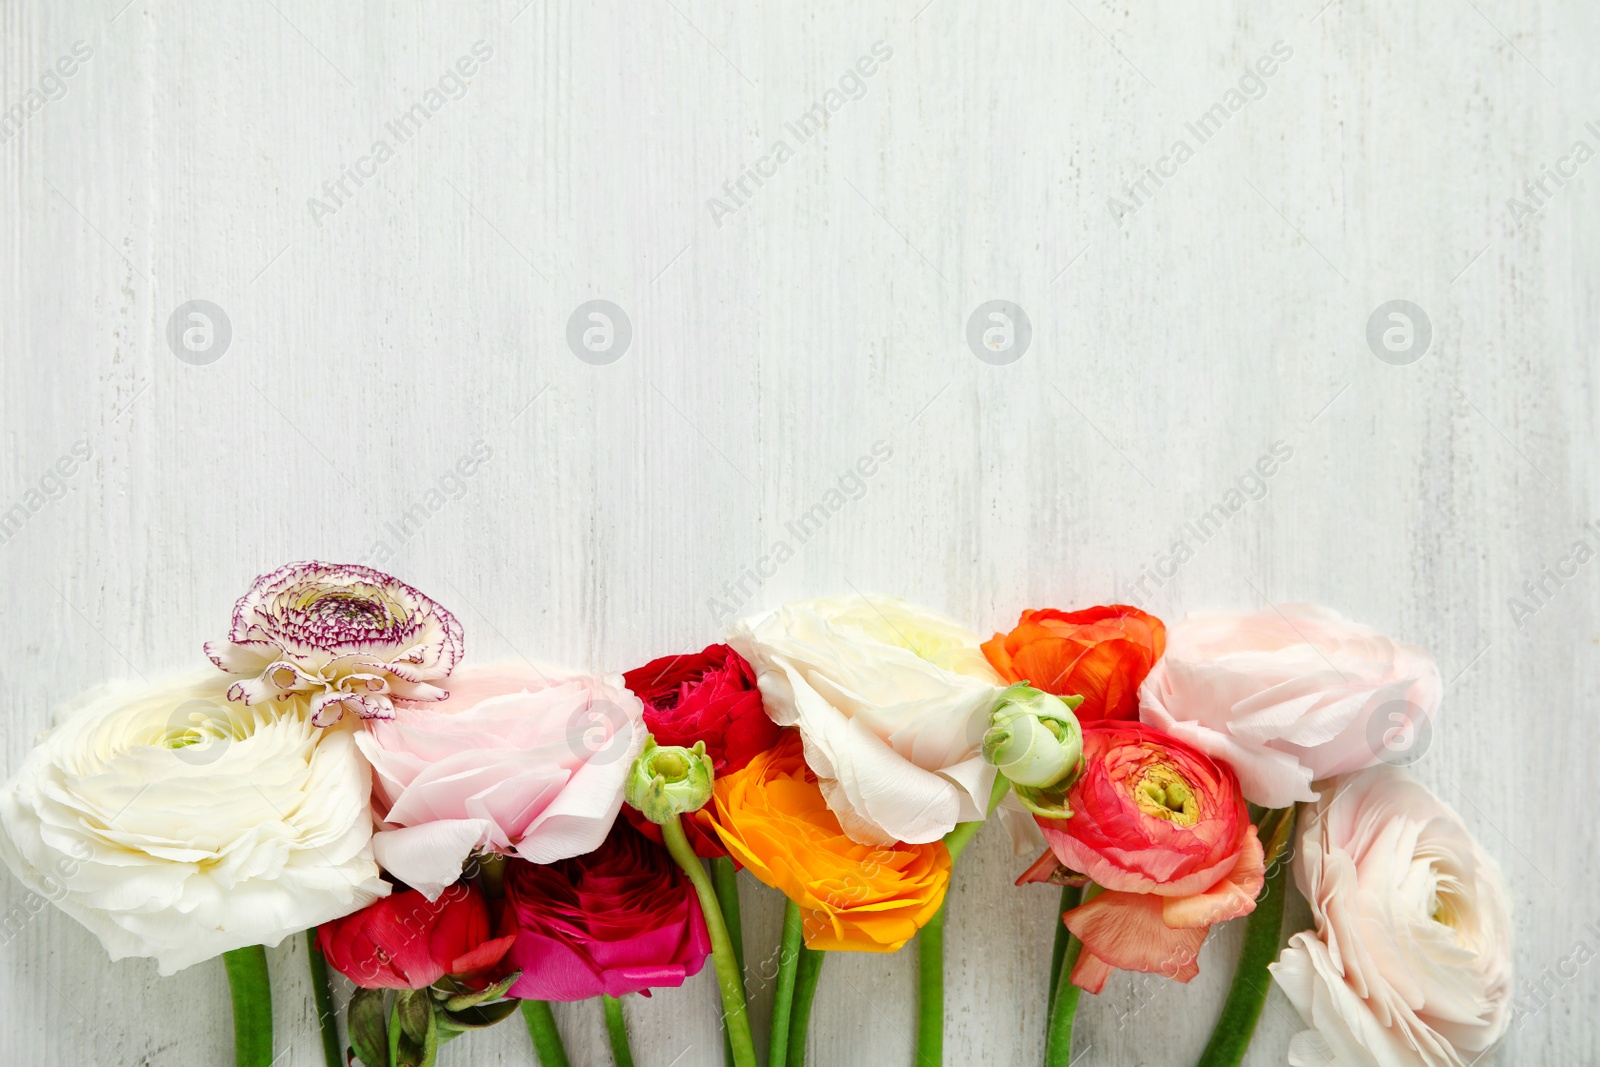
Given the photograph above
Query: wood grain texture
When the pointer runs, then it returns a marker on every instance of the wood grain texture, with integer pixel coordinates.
(775, 344)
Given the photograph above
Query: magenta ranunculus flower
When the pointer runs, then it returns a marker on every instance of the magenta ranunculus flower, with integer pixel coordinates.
(619, 920)
(352, 638)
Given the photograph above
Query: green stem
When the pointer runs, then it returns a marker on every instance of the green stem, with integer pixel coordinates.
(725, 880)
(546, 1038)
(930, 991)
(327, 1018)
(807, 972)
(729, 976)
(930, 945)
(956, 840)
(252, 1005)
(783, 996)
(1064, 1004)
(1248, 993)
(1071, 895)
(617, 1028)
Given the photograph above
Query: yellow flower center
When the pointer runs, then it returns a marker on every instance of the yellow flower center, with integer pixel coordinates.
(1161, 791)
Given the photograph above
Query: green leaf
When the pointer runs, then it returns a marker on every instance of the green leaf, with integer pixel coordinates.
(494, 992)
(416, 1014)
(369, 1038)
(430, 1043)
(419, 1029)
(408, 1053)
(396, 1035)
(478, 1016)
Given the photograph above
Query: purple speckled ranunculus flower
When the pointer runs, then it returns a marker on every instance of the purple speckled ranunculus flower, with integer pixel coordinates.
(349, 637)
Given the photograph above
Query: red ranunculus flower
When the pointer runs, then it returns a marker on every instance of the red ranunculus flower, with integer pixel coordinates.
(405, 941)
(708, 696)
(619, 920)
(1164, 830)
(1100, 654)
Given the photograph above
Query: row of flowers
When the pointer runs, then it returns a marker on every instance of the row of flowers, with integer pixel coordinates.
(462, 841)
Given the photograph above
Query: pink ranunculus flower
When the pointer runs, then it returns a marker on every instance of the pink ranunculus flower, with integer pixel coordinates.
(350, 637)
(1290, 695)
(521, 760)
(1410, 961)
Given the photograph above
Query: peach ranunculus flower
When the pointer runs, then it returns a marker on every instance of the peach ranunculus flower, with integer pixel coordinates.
(892, 701)
(1163, 830)
(1290, 695)
(1100, 653)
(1410, 961)
(773, 820)
(521, 760)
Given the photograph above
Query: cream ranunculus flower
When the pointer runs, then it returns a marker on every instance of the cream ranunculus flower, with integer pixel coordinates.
(892, 701)
(1290, 695)
(175, 823)
(1410, 961)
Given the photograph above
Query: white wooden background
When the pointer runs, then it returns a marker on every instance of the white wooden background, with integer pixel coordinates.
(374, 345)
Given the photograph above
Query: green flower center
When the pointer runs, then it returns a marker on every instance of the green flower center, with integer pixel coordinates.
(1161, 791)
(670, 765)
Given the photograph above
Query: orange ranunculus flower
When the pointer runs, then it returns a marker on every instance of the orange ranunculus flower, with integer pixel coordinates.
(1100, 654)
(853, 897)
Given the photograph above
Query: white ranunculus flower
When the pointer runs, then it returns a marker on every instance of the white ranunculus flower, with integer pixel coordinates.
(175, 823)
(892, 701)
(1410, 961)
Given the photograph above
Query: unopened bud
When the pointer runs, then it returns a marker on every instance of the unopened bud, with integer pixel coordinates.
(1035, 741)
(667, 782)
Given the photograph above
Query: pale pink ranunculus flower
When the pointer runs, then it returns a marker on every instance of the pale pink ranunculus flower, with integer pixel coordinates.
(1410, 961)
(1290, 695)
(521, 760)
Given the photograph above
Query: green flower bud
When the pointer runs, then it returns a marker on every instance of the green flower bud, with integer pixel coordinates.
(1034, 739)
(1049, 802)
(667, 782)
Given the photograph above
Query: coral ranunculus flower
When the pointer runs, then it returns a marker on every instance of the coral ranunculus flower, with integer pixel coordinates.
(1100, 654)
(1164, 830)
(406, 941)
(853, 897)
(708, 696)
